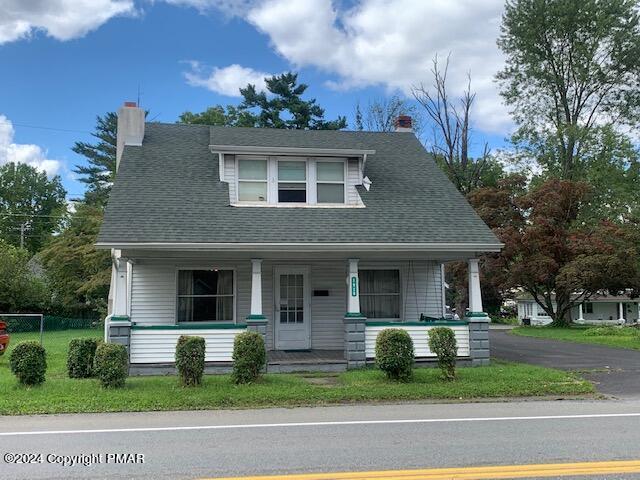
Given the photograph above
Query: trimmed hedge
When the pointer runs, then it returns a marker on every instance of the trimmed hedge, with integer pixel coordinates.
(394, 353)
(28, 363)
(249, 357)
(80, 357)
(111, 365)
(190, 359)
(442, 342)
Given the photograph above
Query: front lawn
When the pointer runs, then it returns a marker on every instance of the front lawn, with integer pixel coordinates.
(60, 394)
(625, 337)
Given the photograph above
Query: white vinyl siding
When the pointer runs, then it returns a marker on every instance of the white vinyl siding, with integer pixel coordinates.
(420, 336)
(153, 299)
(159, 346)
(353, 179)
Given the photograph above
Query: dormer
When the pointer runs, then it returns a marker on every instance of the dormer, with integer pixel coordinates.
(292, 176)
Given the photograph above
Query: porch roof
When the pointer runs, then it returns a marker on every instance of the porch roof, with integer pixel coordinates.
(168, 193)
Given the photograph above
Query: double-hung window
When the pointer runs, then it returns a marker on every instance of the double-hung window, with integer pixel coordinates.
(292, 181)
(330, 181)
(380, 293)
(252, 180)
(205, 296)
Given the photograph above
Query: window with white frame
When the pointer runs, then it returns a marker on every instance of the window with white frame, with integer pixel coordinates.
(330, 181)
(588, 307)
(205, 296)
(380, 293)
(292, 181)
(252, 180)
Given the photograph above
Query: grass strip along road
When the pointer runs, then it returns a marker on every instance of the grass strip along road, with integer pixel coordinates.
(470, 473)
(60, 394)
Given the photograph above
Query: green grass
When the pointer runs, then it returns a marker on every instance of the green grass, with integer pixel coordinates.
(625, 337)
(60, 394)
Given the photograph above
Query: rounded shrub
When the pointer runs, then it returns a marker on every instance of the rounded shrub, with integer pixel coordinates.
(442, 342)
(80, 357)
(28, 363)
(249, 357)
(190, 359)
(111, 365)
(394, 353)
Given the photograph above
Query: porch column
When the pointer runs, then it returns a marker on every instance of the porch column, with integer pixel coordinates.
(580, 313)
(475, 295)
(354, 321)
(118, 324)
(256, 287)
(255, 320)
(621, 312)
(353, 294)
(478, 320)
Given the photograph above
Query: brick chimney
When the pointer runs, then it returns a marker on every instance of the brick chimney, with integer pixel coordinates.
(403, 123)
(130, 128)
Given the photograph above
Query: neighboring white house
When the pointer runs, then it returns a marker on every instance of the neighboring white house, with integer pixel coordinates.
(316, 239)
(597, 310)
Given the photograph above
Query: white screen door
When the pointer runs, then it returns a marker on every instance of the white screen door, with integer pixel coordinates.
(292, 320)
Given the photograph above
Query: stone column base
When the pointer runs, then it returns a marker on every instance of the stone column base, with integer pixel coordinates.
(479, 338)
(258, 323)
(354, 346)
(119, 331)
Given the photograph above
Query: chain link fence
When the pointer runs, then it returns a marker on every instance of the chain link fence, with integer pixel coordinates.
(17, 323)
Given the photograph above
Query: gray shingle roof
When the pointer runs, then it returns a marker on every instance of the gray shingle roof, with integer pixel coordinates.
(168, 190)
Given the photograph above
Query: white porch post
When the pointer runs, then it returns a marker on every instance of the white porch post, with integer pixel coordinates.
(580, 312)
(353, 290)
(475, 295)
(256, 288)
(120, 294)
(118, 324)
(620, 311)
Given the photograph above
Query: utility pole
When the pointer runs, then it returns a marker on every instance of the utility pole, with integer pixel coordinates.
(22, 225)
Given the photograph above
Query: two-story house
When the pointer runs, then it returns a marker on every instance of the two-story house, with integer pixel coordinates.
(316, 239)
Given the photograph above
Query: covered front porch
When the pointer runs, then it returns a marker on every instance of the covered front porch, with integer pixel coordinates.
(315, 312)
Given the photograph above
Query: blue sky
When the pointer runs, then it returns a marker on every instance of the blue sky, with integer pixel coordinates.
(190, 54)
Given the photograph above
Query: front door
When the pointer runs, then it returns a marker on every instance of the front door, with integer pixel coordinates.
(292, 319)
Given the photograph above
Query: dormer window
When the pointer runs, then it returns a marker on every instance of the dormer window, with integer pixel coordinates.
(292, 181)
(252, 180)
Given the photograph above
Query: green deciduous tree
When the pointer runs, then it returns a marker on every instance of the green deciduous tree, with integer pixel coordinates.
(229, 116)
(32, 206)
(281, 106)
(20, 289)
(79, 274)
(571, 66)
(552, 256)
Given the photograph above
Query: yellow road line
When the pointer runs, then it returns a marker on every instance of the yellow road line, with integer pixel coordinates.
(469, 473)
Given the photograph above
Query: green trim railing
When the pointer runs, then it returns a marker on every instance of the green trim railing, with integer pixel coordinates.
(192, 326)
(434, 323)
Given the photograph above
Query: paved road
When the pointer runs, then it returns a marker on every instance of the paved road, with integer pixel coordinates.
(410, 436)
(615, 371)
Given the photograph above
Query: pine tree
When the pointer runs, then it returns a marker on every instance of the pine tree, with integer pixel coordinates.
(99, 174)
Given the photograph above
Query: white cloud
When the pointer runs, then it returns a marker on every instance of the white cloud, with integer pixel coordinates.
(229, 7)
(227, 80)
(60, 19)
(392, 43)
(23, 152)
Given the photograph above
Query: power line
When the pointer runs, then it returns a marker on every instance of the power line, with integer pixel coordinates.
(25, 125)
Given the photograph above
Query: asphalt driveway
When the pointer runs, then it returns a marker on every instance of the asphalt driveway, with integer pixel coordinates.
(614, 371)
